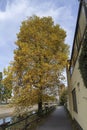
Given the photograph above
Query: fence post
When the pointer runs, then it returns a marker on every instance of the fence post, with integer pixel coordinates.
(25, 123)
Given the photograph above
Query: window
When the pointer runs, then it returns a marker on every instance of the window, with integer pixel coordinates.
(85, 1)
(71, 70)
(82, 21)
(74, 100)
(78, 37)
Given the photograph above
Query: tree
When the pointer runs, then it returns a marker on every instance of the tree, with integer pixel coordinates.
(7, 83)
(63, 97)
(83, 60)
(40, 56)
(1, 87)
(1, 93)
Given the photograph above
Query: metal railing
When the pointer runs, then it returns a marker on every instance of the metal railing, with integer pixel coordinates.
(24, 123)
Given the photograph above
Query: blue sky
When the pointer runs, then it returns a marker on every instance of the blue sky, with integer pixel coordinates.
(13, 12)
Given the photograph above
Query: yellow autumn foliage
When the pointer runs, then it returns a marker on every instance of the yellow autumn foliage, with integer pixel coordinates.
(41, 52)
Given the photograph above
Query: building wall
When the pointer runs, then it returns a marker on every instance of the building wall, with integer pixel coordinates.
(81, 97)
(69, 98)
(77, 98)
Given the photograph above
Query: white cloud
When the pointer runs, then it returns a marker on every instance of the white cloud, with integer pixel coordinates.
(18, 10)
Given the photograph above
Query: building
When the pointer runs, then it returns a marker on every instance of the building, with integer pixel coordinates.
(77, 89)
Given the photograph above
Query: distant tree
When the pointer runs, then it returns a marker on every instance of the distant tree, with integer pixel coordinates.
(40, 55)
(7, 83)
(1, 88)
(1, 93)
(63, 97)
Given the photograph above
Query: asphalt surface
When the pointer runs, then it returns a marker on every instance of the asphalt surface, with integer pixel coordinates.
(58, 120)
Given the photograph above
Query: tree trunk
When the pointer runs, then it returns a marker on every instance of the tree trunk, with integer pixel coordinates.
(40, 102)
(40, 107)
(6, 100)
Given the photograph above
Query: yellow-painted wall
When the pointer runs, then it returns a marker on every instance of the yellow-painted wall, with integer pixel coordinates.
(81, 95)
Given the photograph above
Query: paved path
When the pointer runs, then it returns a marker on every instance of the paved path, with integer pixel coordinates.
(58, 120)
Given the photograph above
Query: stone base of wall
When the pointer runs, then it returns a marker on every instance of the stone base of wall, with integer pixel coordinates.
(77, 125)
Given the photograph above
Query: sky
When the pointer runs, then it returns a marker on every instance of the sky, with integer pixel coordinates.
(13, 12)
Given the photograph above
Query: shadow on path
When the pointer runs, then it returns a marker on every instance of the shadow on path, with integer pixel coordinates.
(58, 120)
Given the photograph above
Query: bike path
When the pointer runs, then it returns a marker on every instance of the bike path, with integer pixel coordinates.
(58, 120)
